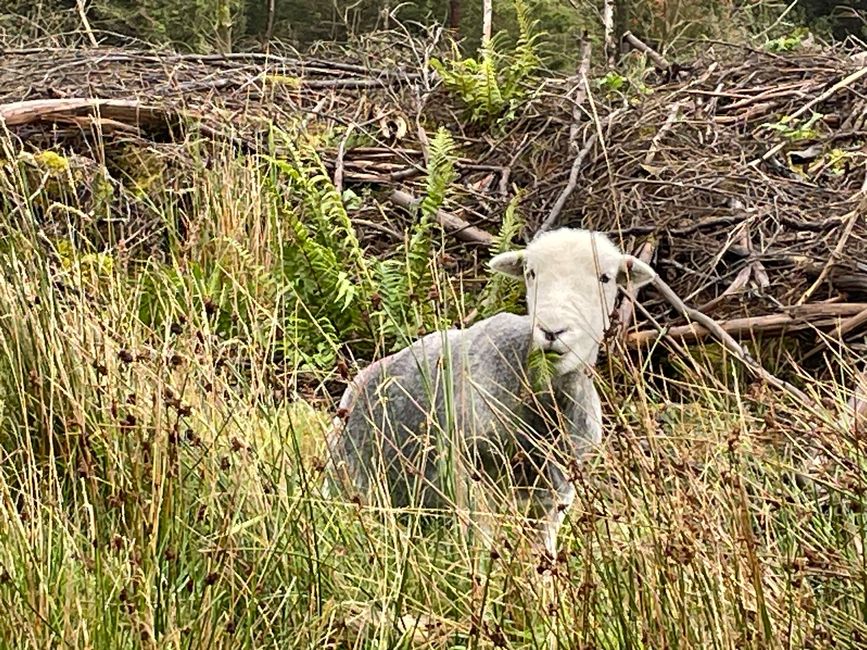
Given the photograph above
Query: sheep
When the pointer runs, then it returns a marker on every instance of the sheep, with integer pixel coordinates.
(460, 407)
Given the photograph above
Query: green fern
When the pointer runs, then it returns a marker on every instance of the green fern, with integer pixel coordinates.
(541, 366)
(404, 285)
(492, 86)
(503, 292)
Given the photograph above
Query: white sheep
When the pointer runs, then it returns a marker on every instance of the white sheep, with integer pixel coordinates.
(457, 408)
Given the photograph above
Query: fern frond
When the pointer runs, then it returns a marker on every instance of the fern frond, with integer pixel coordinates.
(541, 367)
(503, 292)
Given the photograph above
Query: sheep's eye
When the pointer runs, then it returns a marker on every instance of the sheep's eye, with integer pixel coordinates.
(604, 278)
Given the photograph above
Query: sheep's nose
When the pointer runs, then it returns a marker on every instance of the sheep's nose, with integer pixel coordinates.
(551, 335)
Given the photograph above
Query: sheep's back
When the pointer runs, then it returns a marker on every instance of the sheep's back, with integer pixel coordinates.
(455, 386)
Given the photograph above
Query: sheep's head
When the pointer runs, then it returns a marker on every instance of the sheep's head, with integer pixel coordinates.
(572, 278)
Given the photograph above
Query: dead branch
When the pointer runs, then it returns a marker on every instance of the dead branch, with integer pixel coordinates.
(627, 308)
(842, 329)
(53, 110)
(724, 337)
(658, 60)
(338, 163)
(666, 127)
(570, 185)
(580, 96)
(845, 82)
(85, 23)
(817, 316)
(850, 220)
(452, 224)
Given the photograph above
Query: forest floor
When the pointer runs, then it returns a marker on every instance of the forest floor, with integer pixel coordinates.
(195, 252)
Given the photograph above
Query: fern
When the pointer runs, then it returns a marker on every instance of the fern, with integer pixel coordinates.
(503, 292)
(526, 61)
(541, 366)
(492, 86)
(404, 286)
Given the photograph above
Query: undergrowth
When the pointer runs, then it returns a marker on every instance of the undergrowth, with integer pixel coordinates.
(162, 452)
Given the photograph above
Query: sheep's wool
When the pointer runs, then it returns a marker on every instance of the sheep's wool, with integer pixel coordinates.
(457, 406)
(407, 419)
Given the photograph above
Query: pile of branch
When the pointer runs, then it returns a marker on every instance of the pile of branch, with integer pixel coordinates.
(741, 179)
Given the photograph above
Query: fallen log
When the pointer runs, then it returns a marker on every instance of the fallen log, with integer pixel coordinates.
(451, 223)
(57, 110)
(812, 316)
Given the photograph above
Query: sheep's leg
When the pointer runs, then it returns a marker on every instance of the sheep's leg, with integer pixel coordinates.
(547, 531)
(552, 520)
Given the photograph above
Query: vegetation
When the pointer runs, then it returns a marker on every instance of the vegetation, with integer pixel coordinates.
(163, 417)
(224, 25)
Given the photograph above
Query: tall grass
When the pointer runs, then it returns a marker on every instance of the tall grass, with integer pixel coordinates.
(160, 479)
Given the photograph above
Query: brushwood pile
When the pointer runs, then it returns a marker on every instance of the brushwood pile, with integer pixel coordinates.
(741, 173)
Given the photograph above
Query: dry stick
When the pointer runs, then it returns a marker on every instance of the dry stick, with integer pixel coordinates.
(338, 164)
(666, 127)
(842, 330)
(33, 110)
(570, 186)
(727, 341)
(627, 308)
(846, 81)
(453, 224)
(580, 92)
(641, 46)
(820, 314)
(850, 219)
(82, 13)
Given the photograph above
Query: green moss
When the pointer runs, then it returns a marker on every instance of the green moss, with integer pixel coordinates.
(52, 162)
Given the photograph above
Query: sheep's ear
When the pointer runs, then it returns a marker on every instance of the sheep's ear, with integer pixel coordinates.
(510, 263)
(635, 271)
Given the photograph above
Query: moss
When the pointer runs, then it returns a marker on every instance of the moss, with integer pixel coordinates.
(52, 162)
(282, 80)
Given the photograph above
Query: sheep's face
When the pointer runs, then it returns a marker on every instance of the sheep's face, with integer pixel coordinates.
(572, 278)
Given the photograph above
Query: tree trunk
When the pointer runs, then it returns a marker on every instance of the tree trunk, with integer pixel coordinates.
(269, 29)
(454, 22)
(621, 23)
(608, 26)
(487, 20)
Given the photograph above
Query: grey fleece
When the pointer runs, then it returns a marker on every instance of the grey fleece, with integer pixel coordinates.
(406, 421)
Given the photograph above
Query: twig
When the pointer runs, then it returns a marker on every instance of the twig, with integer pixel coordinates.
(338, 163)
(851, 220)
(581, 90)
(82, 13)
(666, 127)
(627, 308)
(453, 224)
(846, 81)
(570, 186)
(719, 333)
(652, 54)
(842, 330)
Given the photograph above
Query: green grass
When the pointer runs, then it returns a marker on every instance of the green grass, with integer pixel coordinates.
(161, 474)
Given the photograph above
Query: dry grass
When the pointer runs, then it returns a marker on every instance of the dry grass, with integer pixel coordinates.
(160, 479)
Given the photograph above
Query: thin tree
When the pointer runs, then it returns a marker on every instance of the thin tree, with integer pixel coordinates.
(454, 21)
